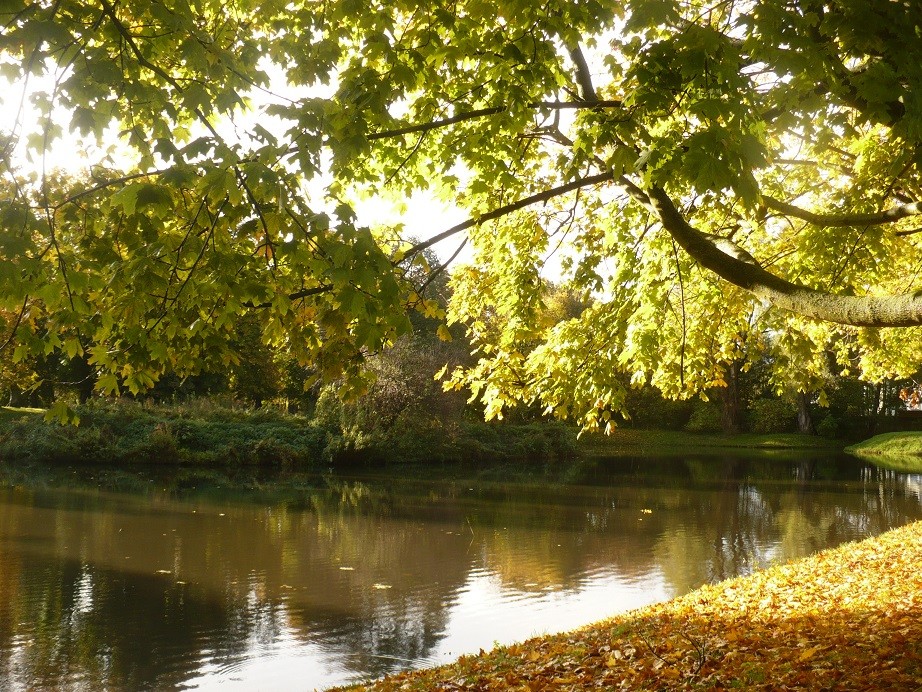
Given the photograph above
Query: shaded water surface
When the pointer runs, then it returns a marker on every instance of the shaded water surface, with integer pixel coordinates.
(190, 580)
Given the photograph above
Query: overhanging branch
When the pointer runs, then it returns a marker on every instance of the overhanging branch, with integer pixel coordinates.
(858, 219)
(509, 208)
(859, 311)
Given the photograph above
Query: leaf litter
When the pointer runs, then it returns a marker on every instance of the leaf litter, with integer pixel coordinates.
(849, 618)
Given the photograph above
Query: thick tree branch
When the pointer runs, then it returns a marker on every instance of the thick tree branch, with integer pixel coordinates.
(860, 219)
(509, 208)
(583, 74)
(859, 311)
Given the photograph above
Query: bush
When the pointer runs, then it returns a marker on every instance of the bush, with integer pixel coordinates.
(772, 416)
(124, 432)
(828, 427)
(648, 409)
(705, 419)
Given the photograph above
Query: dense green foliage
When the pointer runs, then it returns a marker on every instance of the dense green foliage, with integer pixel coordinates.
(711, 182)
(198, 432)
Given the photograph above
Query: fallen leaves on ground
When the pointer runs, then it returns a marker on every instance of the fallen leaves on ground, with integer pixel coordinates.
(847, 618)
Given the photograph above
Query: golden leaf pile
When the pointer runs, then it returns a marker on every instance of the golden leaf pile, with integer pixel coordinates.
(848, 618)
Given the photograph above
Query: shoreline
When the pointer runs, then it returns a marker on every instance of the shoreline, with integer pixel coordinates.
(198, 435)
(846, 618)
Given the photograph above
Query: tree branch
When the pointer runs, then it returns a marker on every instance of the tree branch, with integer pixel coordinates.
(441, 268)
(583, 74)
(859, 311)
(859, 219)
(509, 208)
(22, 312)
(129, 39)
(297, 295)
(483, 112)
(108, 183)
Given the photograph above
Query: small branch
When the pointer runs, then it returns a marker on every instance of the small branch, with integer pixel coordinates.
(129, 39)
(509, 208)
(16, 324)
(441, 268)
(297, 295)
(483, 112)
(435, 124)
(104, 185)
(860, 219)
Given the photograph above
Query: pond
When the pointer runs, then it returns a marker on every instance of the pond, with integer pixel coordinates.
(186, 579)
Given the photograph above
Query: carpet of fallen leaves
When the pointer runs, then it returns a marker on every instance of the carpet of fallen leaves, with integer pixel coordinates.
(848, 618)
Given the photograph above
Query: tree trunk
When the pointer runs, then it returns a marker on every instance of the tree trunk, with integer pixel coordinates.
(731, 409)
(804, 419)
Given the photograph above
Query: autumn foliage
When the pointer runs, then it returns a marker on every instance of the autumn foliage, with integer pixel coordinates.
(846, 618)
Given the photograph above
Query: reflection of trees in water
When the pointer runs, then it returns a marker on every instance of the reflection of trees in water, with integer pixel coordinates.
(249, 576)
(369, 571)
(762, 516)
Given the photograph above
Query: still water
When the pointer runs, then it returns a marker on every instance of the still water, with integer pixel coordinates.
(193, 580)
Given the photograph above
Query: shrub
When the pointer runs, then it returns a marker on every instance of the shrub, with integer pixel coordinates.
(772, 416)
(828, 427)
(648, 409)
(705, 419)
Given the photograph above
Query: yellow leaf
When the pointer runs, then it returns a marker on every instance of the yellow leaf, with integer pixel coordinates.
(809, 653)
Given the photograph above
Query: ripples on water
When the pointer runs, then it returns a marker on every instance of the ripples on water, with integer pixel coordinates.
(312, 582)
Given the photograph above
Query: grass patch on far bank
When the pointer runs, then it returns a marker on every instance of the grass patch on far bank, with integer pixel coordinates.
(844, 619)
(899, 451)
(9, 414)
(663, 442)
(204, 433)
(125, 432)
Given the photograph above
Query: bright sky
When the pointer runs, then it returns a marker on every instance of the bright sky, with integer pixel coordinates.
(422, 215)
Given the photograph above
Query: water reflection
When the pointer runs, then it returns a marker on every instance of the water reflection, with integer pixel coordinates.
(187, 580)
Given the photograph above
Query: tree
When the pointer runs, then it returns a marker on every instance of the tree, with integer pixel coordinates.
(700, 171)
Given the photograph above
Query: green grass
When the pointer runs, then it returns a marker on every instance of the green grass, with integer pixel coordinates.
(664, 442)
(899, 451)
(125, 432)
(204, 433)
(9, 414)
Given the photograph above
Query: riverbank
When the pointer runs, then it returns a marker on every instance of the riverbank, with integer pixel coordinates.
(633, 442)
(845, 618)
(898, 451)
(201, 433)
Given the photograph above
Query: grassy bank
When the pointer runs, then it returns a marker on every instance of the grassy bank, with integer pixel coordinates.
(656, 442)
(900, 451)
(843, 619)
(200, 432)
(126, 432)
